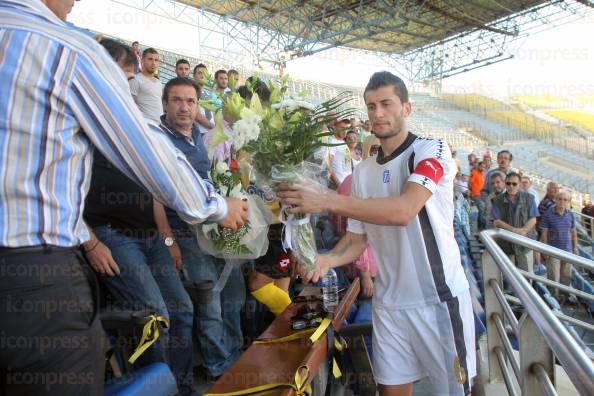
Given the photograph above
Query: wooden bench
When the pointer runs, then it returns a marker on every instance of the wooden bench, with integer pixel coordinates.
(276, 363)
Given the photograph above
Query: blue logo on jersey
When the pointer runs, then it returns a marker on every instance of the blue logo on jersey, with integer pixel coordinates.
(386, 176)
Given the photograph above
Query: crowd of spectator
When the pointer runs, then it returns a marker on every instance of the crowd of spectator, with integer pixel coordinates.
(503, 198)
(149, 184)
(507, 199)
(143, 252)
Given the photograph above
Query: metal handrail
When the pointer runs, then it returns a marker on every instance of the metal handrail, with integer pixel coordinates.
(574, 360)
(585, 219)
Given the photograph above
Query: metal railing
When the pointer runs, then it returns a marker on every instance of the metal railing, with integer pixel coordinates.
(541, 335)
(588, 223)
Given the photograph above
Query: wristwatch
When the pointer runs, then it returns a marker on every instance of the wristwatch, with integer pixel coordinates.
(169, 241)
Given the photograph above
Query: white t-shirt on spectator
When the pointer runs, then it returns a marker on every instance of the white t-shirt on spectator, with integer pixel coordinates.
(148, 94)
(340, 161)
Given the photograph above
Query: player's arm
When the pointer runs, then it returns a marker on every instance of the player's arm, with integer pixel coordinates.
(397, 210)
(348, 249)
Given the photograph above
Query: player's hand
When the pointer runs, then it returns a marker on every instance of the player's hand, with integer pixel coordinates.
(237, 213)
(100, 259)
(304, 198)
(320, 271)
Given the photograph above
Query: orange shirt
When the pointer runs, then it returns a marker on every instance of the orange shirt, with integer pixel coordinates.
(477, 180)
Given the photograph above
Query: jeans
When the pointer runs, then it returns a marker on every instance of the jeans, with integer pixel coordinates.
(218, 322)
(149, 278)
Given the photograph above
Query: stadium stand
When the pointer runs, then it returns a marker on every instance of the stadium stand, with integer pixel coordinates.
(468, 122)
(577, 118)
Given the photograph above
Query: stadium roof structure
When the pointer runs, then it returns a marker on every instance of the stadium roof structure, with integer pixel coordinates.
(433, 39)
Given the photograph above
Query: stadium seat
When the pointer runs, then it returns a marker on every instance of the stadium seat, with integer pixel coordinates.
(155, 379)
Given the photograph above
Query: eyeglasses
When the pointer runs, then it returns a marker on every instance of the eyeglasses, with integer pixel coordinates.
(511, 184)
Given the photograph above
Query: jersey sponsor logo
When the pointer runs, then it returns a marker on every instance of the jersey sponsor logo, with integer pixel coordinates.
(386, 176)
(430, 168)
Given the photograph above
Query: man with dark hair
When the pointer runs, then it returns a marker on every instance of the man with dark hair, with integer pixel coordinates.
(515, 211)
(339, 157)
(182, 68)
(122, 55)
(138, 56)
(146, 89)
(402, 203)
(199, 73)
(204, 117)
(77, 100)
(497, 186)
(222, 80)
(504, 159)
(219, 321)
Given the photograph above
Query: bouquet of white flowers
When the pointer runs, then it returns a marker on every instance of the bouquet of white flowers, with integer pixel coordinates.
(280, 137)
(250, 240)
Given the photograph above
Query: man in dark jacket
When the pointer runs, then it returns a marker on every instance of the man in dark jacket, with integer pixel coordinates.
(515, 211)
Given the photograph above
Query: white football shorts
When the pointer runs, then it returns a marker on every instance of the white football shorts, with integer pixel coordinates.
(435, 341)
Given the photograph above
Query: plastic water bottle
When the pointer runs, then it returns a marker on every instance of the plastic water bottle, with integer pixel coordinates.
(330, 291)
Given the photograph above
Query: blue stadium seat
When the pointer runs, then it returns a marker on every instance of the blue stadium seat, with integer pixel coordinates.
(155, 379)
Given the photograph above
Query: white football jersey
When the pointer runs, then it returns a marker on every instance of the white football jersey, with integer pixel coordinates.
(417, 264)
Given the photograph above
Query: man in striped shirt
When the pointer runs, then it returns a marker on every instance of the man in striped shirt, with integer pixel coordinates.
(557, 226)
(62, 95)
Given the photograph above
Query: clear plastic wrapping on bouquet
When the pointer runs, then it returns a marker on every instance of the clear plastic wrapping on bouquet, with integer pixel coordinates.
(255, 239)
(298, 233)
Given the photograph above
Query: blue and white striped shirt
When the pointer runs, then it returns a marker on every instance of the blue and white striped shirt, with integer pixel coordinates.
(62, 95)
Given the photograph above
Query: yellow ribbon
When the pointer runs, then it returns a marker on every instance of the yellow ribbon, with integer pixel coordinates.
(320, 330)
(150, 333)
(290, 337)
(300, 386)
(335, 368)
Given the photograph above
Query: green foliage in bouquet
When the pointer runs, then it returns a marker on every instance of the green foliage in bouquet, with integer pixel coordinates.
(227, 182)
(227, 240)
(280, 136)
(292, 130)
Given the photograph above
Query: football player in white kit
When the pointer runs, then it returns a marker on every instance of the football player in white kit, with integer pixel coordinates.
(402, 203)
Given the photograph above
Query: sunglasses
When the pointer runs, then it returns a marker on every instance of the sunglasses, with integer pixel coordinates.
(511, 184)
